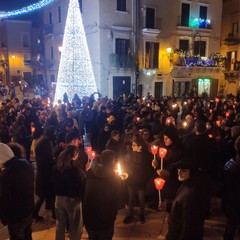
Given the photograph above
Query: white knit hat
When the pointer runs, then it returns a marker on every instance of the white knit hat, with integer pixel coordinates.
(5, 153)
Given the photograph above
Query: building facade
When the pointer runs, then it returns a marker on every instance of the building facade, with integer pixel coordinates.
(161, 47)
(230, 45)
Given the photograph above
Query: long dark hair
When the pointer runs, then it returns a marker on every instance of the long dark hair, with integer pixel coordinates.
(65, 158)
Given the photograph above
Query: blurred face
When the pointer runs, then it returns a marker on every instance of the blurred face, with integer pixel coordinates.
(167, 140)
(75, 157)
(183, 174)
(116, 137)
(136, 147)
(76, 142)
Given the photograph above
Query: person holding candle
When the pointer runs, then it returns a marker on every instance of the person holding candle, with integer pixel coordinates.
(103, 197)
(190, 205)
(138, 165)
(174, 151)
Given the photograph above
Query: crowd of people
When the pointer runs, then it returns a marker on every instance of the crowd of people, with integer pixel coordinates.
(201, 137)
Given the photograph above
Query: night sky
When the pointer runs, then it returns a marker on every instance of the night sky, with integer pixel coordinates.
(8, 5)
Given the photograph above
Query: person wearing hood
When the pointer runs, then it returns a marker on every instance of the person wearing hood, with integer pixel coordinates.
(16, 192)
(190, 204)
(103, 197)
(174, 152)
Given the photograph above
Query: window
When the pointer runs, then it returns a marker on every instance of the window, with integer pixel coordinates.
(25, 40)
(185, 14)
(151, 55)
(184, 45)
(121, 5)
(59, 15)
(122, 46)
(80, 5)
(149, 20)
(50, 18)
(203, 16)
(235, 29)
(200, 48)
(27, 60)
(52, 77)
(52, 53)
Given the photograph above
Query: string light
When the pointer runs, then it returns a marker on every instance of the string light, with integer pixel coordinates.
(27, 9)
(75, 74)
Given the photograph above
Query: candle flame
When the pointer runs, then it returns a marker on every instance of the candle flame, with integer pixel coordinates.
(119, 169)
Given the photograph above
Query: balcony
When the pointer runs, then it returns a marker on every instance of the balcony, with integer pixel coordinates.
(48, 29)
(121, 61)
(3, 45)
(200, 24)
(154, 29)
(180, 58)
(232, 39)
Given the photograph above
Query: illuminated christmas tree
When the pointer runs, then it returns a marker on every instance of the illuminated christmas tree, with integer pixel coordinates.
(75, 75)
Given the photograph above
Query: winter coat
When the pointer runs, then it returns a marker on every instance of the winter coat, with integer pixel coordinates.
(16, 191)
(189, 209)
(103, 198)
(70, 182)
(204, 152)
(45, 163)
(231, 190)
(139, 169)
(174, 153)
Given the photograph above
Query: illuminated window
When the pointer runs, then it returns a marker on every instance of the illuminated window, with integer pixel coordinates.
(204, 85)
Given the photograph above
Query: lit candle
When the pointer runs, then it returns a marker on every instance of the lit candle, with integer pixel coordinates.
(184, 124)
(33, 129)
(227, 114)
(218, 122)
(162, 154)
(154, 149)
(210, 135)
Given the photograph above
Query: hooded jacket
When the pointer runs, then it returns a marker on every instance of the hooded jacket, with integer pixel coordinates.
(103, 197)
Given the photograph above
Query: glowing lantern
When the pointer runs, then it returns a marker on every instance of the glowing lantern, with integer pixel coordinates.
(154, 149)
(33, 129)
(138, 119)
(216, 100)
(88, 149)
(227, 114)
(92, 155)
(162, 154)
(218, 122)
(210, 135)
(159, 183)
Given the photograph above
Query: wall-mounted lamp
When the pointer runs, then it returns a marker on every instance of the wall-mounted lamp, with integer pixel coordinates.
(13, 56)
(169, 50)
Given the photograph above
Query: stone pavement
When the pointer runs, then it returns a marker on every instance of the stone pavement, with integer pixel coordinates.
(156, 224)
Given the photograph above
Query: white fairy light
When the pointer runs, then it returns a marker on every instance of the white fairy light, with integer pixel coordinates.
(27, 9)
(75, 74)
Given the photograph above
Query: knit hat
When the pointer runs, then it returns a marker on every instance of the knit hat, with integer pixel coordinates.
(172, 133)
(5, 153)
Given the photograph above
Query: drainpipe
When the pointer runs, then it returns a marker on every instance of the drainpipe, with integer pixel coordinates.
(135, 32)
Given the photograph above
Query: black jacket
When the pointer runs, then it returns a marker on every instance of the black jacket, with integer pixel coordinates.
(16, 191)
(189, 209)
(70, 182)
(103, 197)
